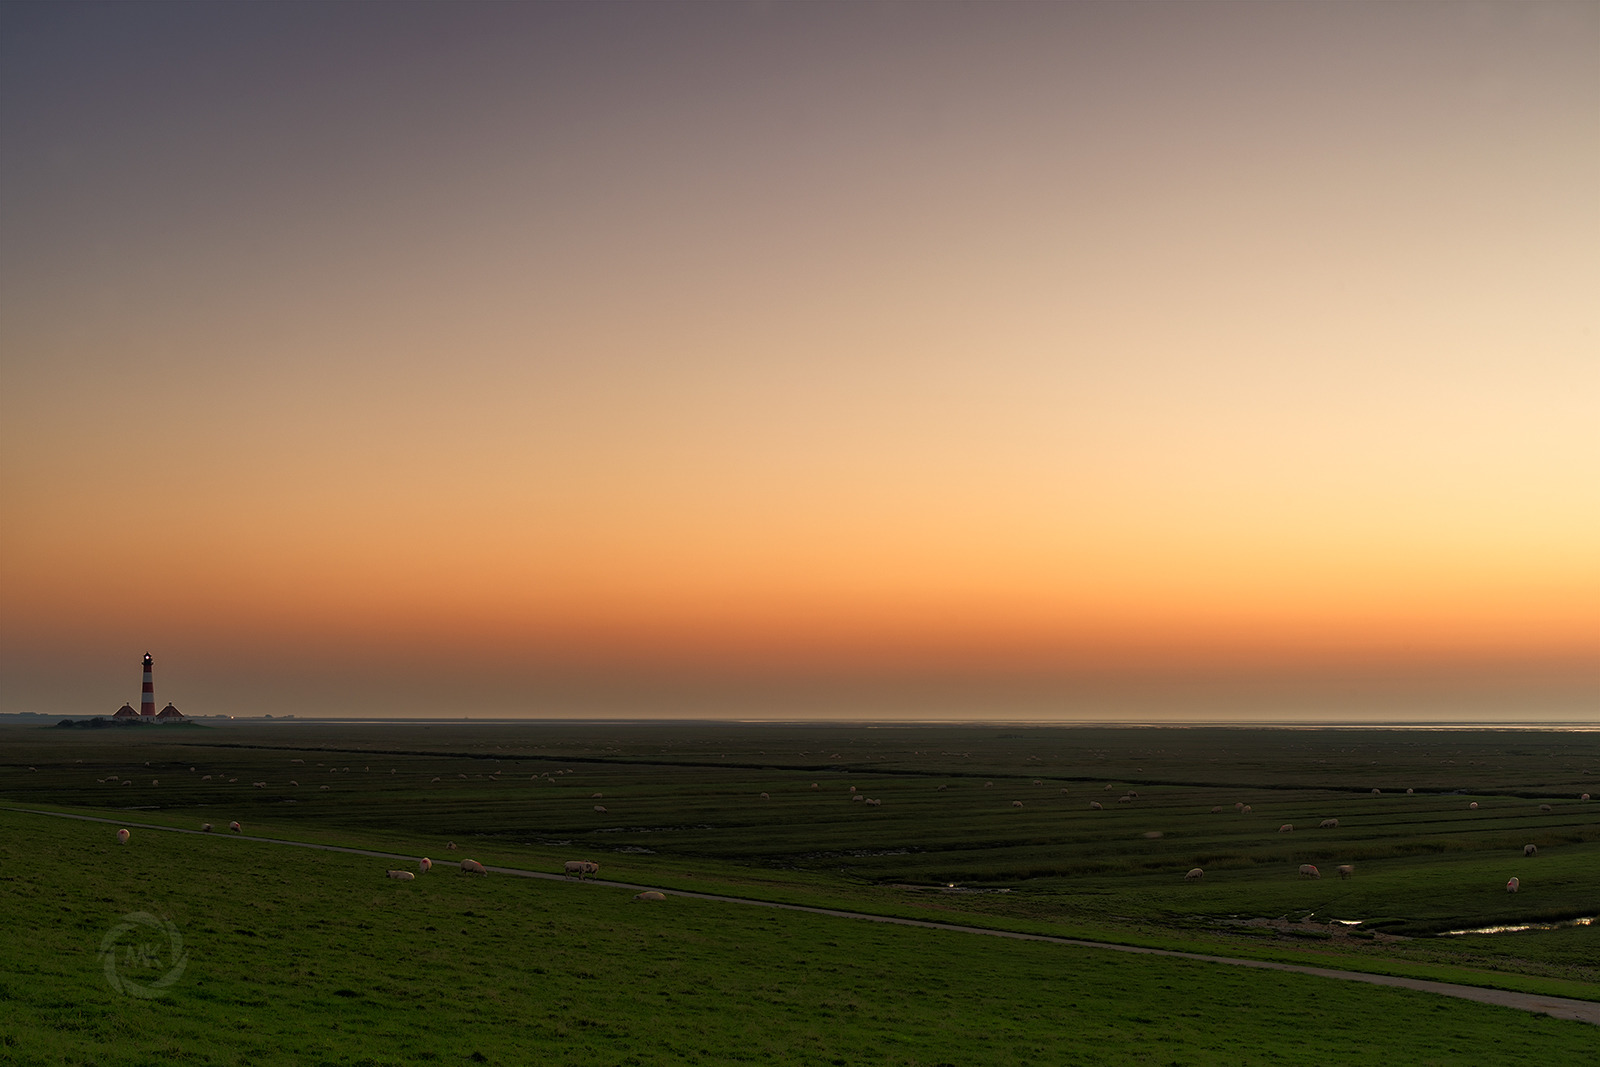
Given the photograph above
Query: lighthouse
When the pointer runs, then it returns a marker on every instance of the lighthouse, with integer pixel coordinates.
(147, 703)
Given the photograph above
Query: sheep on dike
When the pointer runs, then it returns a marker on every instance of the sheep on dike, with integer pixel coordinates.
(1194, 875)
(1309, 870)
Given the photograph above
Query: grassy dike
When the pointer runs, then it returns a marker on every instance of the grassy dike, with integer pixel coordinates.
(298, 956)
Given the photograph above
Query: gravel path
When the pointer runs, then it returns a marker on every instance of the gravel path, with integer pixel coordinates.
(1560, 1007)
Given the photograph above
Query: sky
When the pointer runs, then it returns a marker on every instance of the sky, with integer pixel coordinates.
(889, 360)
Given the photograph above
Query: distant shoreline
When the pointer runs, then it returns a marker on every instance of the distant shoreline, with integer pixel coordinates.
(1561, 725)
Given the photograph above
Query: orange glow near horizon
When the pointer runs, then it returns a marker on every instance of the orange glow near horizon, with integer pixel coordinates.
(857, 341)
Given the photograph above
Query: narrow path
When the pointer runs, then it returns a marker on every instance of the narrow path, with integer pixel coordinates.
(1560, 1007)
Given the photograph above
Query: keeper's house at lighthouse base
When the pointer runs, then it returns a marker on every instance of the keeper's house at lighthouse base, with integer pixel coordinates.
(166, 714)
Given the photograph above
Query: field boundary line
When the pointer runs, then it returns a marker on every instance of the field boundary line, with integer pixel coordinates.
(1559, 1007)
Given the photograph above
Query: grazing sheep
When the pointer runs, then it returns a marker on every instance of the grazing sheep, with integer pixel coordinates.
(1126, 798)
(601, 808)
(472, 867)
(591, 867)
(435, 780)
(426, 864)
(1095, 805)
(205, 778)
(1473, 806)
(1286, 828)
(205, 828)
(1245, 810)
(451, 845)
(765, 797)
(1216, 809)
(1583, 796)
(322, 788)
(577, 867)
(1530, 850)
(813, 785)
(1016, 803)
(1544, 807)
(1063, 792)
(1309, 870)
(1328, 824)
(1512, 886)
(1408, 792)
(1376, 792)
(595, 796)
(1345, 870)
(402, 876)
(988, 785)
(857, 797)
(852, 789)
(1037, 782)
(1238, 805)
(650, 894)
(874, 802)
(122, 836)
(1194, 875)
(294, 783)
(235, 827)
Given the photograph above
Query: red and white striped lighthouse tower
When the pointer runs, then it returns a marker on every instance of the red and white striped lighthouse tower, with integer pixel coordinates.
(147, 703)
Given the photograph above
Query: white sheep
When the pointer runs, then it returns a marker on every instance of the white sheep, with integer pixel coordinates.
(595, 796)
(650, 894)
(601, 808)
(205, 828)
(856, 798)
(874, 802)
(1583, 796)
(122, 836)
(472, 867)
(1345, 870)
(813, 785)
(1194, 875)
(1245, 810)
(1016, 803)
(1408, 792)
(1473, 806)
(1309, 870)
(1512, 886)
(235, 827)
(1216, 809)
(294, 783)
(426, 864)
(402, 876)
(1095, 805)
(1530, 850)
(1286, 828)
(1544, 807)
(765, 797)
(451, 845)
(1328, 824)
(1377, 792)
